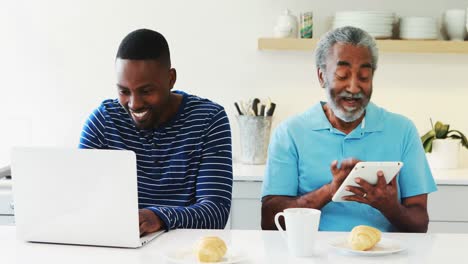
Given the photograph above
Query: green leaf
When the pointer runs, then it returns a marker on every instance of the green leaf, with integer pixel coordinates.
(458, 134)
(441, 129)
(429, 135)
(428, 146)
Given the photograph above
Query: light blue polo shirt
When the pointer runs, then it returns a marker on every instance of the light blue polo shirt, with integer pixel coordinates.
(303, 147)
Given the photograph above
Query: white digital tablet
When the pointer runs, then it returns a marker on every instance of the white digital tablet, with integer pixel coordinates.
(367, 171)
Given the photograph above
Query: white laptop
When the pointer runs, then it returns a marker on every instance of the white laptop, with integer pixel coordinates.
(76, 196)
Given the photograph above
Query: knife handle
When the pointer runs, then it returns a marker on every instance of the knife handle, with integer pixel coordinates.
(262, 110)
(255, 106)
(238, 108)
(271, 110)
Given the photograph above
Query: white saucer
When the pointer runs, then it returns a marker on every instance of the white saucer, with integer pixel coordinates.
(183, 256)
(386, 246)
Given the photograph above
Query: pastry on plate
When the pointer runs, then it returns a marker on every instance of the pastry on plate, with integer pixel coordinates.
(210, 249)
(364, 237)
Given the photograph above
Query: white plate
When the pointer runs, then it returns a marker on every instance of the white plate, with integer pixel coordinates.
(364, 13)
(386, 246)
(183, 256)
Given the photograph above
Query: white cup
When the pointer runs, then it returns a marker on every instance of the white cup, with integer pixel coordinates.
(466, 19)
(301, 230)
(455, 24)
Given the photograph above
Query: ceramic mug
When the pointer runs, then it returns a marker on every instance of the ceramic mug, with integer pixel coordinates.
(455, 24)
(301, 230)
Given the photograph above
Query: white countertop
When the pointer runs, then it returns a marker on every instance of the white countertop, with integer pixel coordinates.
(245, 172)
(257, 246)
(451, 177)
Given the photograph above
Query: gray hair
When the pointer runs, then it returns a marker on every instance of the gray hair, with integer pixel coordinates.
(346, 35)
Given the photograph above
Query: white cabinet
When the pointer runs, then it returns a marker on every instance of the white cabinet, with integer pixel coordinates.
(448, 227)
(6, 203)
(449, 204)
(246, 205)
(448, 210)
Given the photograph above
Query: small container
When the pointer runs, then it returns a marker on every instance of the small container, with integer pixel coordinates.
(286, 26)
(307, 25)
(254, 138)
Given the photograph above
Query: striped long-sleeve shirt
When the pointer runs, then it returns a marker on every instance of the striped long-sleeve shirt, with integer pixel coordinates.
(184, 168)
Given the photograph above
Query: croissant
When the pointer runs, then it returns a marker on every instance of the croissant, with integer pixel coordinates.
(364, 237)
(210, 249)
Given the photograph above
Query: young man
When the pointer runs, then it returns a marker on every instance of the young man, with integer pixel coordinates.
(182, 142)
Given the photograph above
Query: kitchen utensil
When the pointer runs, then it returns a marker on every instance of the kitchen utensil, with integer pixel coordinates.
(254, 138)
(262, 110)
(255, 103)
(377, 24)
(455, 24)
(286, 26)
(386, 246)
(271, 109)
(238, 108)
(418, 28)
(301, 230)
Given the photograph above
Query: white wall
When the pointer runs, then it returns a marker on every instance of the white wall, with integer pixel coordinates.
(58, 61)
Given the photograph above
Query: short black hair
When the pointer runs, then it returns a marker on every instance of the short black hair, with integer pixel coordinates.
(145, 44)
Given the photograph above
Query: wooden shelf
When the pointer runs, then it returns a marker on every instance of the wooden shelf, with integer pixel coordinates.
(398, 46)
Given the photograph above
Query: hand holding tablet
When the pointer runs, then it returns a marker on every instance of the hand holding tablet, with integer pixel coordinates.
(368, 172)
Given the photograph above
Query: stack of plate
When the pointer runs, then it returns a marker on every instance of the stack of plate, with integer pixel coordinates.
(418, 28)
(377, 24)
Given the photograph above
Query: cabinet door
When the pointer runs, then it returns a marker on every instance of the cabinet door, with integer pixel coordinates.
(246, 214)
(7, 220)
(6, 202)
(448, 227)
(246, 205)
(448, 204)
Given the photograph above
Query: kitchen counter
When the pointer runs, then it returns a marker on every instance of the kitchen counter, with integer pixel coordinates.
(446, 213)
(255, 246)
(244, 172)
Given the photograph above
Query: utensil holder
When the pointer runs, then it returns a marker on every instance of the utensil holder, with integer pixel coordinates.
(254, 138)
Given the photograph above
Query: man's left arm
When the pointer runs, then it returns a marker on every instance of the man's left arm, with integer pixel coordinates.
(408, 216)
(212, 200)
(411, 215)
(414, 183)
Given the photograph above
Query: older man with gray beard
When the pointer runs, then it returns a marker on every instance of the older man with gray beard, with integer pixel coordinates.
(311, 154)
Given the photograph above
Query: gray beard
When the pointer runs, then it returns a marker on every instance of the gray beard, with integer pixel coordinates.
(347, 116)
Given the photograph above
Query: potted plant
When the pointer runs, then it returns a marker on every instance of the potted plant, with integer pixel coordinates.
(443, 145)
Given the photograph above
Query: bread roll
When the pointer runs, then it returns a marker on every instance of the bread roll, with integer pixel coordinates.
(364, 237)
(210, 249)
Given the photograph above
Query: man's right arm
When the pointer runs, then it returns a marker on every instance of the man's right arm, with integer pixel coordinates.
(273, 204)
(92, 134)
(281, 181)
